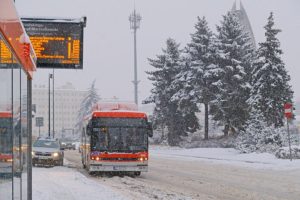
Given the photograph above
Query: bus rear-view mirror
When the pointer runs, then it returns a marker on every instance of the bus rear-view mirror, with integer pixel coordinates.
(150, 129)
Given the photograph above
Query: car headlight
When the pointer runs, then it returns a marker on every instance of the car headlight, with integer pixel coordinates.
(33, 153)
(63, 143)
(55, 154)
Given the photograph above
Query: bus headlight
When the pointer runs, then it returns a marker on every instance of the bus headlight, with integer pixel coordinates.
(55, 154)
(143, 159)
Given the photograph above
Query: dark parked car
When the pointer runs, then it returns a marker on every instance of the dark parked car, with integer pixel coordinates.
(47, 152)
(68, 144)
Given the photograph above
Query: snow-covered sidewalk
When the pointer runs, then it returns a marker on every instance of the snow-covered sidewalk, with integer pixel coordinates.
(62, 183)
(226, 156)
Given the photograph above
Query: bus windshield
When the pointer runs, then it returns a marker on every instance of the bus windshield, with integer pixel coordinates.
(5, 136)
(119, 135)
(119, 122)
(120, 139)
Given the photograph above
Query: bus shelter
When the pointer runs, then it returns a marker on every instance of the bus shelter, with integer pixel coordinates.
(17, 63)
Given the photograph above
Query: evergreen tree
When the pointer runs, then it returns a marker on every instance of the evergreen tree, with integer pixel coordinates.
(184, 96)
(234, 54)
(167, 112)
(86, 105)
(259, 137)
(202, 71)
(270, 81)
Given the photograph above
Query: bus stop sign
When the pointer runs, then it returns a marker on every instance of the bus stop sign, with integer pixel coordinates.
(39, 121)
(288, 110)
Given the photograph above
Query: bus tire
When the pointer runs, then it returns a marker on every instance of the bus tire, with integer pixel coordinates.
(137, 173)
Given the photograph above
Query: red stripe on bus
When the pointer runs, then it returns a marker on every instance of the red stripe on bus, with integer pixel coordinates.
(5, 156)
(121, 155)
(5, 115)
(138, 155)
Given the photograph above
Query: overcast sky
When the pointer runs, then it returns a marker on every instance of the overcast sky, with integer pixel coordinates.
(108, 41)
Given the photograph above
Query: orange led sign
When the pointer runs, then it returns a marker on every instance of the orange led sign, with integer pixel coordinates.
(58, 43)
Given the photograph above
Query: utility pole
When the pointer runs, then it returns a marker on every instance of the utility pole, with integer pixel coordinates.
(135, 19)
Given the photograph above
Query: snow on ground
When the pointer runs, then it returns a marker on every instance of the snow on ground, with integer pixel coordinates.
(139, 188)
(62, 183)
(226, 156)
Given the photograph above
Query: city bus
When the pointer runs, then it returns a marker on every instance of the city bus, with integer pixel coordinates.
(9, 164)
(116, 140)
(6, 158)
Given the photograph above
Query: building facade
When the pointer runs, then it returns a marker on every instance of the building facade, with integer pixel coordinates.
(67, 102)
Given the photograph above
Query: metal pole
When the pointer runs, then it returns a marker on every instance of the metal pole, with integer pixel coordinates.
(13, 131)
(29, 126)
(135, 66)
(49, 121)
(53, 102)
(135, 19)
(288, 130)
(20, 135)
(39, 131)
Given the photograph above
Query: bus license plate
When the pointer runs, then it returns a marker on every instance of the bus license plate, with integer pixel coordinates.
(119, 168)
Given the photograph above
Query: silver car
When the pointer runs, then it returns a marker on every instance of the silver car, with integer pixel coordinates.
(47, 152)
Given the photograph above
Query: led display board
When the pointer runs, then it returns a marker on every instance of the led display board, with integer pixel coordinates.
(58, 43)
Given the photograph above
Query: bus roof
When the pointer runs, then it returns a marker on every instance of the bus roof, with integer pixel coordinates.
(119, 114)
(109, 106)
(5, 114)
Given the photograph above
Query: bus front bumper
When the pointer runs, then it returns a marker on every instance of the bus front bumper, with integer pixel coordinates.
(119, 167)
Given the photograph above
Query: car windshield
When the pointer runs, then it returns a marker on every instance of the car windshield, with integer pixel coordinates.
(46, 143)
(66, 140)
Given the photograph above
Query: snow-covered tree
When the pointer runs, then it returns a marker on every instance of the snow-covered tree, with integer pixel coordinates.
(202, 72)
(259, 137)
(86, 105)
(270, 80)
(166, 112)
(233, 57)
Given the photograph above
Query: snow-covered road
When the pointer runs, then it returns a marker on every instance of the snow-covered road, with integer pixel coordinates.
(177, 174)
(221, 174)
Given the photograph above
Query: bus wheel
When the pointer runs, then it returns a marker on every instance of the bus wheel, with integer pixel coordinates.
(92, 173)
(137, 173)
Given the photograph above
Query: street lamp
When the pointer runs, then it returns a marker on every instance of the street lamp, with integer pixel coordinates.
(49, 122)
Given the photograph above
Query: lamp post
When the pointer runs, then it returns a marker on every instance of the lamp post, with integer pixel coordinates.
(49, 122)
(135, 20)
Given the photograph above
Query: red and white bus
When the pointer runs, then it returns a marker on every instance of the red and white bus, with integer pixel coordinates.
(6, 158)
(116, 140)
(10, 155)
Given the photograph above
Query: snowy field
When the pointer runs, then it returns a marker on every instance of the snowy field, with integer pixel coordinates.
(62, 183)
(227, 156)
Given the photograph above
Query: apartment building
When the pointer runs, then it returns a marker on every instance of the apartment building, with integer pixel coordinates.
(67, 101)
